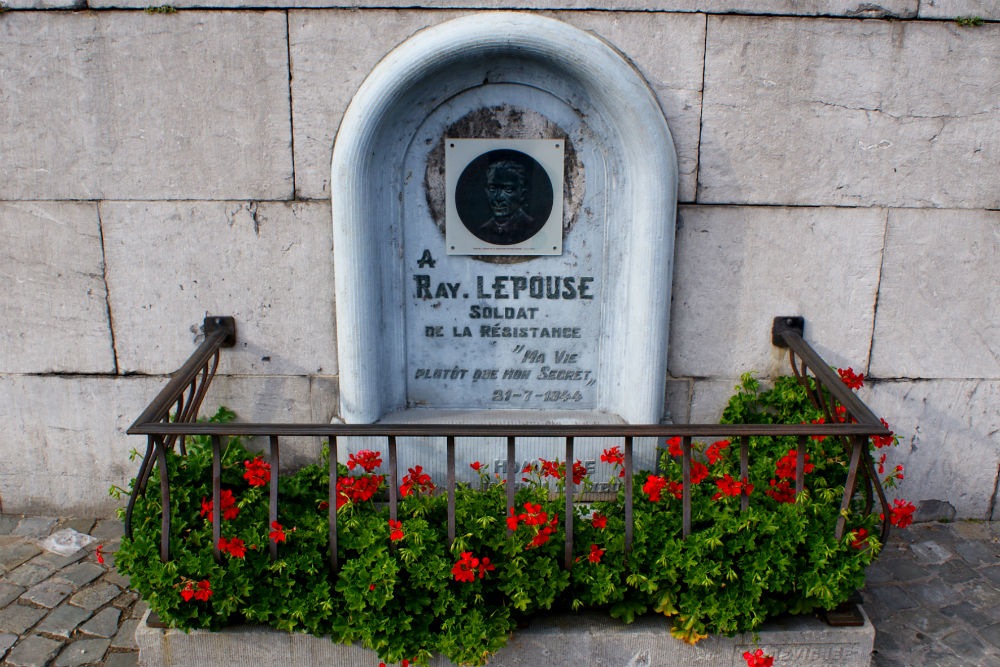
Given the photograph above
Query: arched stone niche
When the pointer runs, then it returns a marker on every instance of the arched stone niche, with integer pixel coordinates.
(502, 75)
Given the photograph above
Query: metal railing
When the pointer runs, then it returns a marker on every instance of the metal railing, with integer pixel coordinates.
(186, 390)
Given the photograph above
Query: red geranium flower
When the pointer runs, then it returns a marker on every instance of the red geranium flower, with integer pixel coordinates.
(365, 458)
(699, 471)
(595, 554)
(818, 438)
(884, 440)
(464, 569)
(714, 451)
(204, 590)
(860, 539)
(476, 465)
(100, 556)
(901, 514)
(188, 592)
(599, 521)
(234, 547)
(258, 473)
(758, 659)
(418, 480)
(615, 457)
(395, 530)
(851, 379)
(674, 447)
(731, 487)
(278, 533)
(654, 487)
(229, 508)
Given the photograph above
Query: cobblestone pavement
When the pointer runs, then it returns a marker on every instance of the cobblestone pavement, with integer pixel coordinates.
(933, 595)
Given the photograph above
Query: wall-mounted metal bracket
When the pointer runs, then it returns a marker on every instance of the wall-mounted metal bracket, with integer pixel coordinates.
(795, 322)
(225, 323)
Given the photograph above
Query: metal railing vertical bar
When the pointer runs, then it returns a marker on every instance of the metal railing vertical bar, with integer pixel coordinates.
(686, 486)
(216, 496)
(393, 481)
(744, 472)
(451, 489)
(869, 465)
(628, 495)
(332, 504)
(139, 485)
(161, 463)
(272, 510)
(568, 479)
(511, 477)
(852, 475)
(800, 465)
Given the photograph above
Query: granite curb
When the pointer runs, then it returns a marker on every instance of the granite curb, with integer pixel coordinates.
(933, 596)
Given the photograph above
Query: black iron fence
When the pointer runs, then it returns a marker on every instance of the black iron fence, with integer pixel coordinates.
(186, 390)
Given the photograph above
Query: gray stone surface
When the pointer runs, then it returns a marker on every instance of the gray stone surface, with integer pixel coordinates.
(8, 523)
(947, 9)
(588, 638)
(82, 652)
(849, 113)
(9, 592)
(6, 641)
(848, 8)
(27, 575)
(935, 323)
(122, 659)
(934, 510)
(49, 593)
(54, 561)
(53, 272)
(321, 94)
(34, 527)
(63, 620)
(950, 433)
(75, 455)
(34, 651)
(17, 618)
(739, 267)
(95, 595)
(79, 525)
(132, 105)
(103, 624)
(284, 317)
(15, 553)
(125, 639)
(107, 529)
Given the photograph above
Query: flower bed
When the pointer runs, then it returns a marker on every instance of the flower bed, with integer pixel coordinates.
(405, 593)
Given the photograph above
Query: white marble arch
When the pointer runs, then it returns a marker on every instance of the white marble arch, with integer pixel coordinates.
(366, 176)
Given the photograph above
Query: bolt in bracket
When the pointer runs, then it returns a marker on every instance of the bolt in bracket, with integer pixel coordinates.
(795, 323)
(225, 323)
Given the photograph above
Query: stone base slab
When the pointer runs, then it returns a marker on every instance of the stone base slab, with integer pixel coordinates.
(563, 640)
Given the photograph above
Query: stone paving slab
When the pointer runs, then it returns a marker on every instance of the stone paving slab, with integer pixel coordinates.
(37, 527)
(49, 593)
(95, 596)
(9, 593)
(27, 575)
(82, 652)
(104, 624)
(12, 555)
(34, 651)
(6, 641)
(82, 574)
(63, 620)
(17, 618)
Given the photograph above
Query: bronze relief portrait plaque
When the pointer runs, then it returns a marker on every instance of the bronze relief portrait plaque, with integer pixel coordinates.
(502, 196)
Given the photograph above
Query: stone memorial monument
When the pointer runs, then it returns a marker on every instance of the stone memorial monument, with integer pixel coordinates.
(503, 209)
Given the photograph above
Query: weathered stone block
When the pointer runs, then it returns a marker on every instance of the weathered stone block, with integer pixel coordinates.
(851, 8)
(937, 310)
(63, 620)
(54, 300)
(34, 651)
(76, 430)
(130, 105)
(321, 93)
(269, 265)
(949, 438)
(864, 113)
(95, 596)
(82, 652)
(947, 9)
(739, 267)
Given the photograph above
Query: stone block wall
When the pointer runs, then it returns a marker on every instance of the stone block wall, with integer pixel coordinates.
(837, 160)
